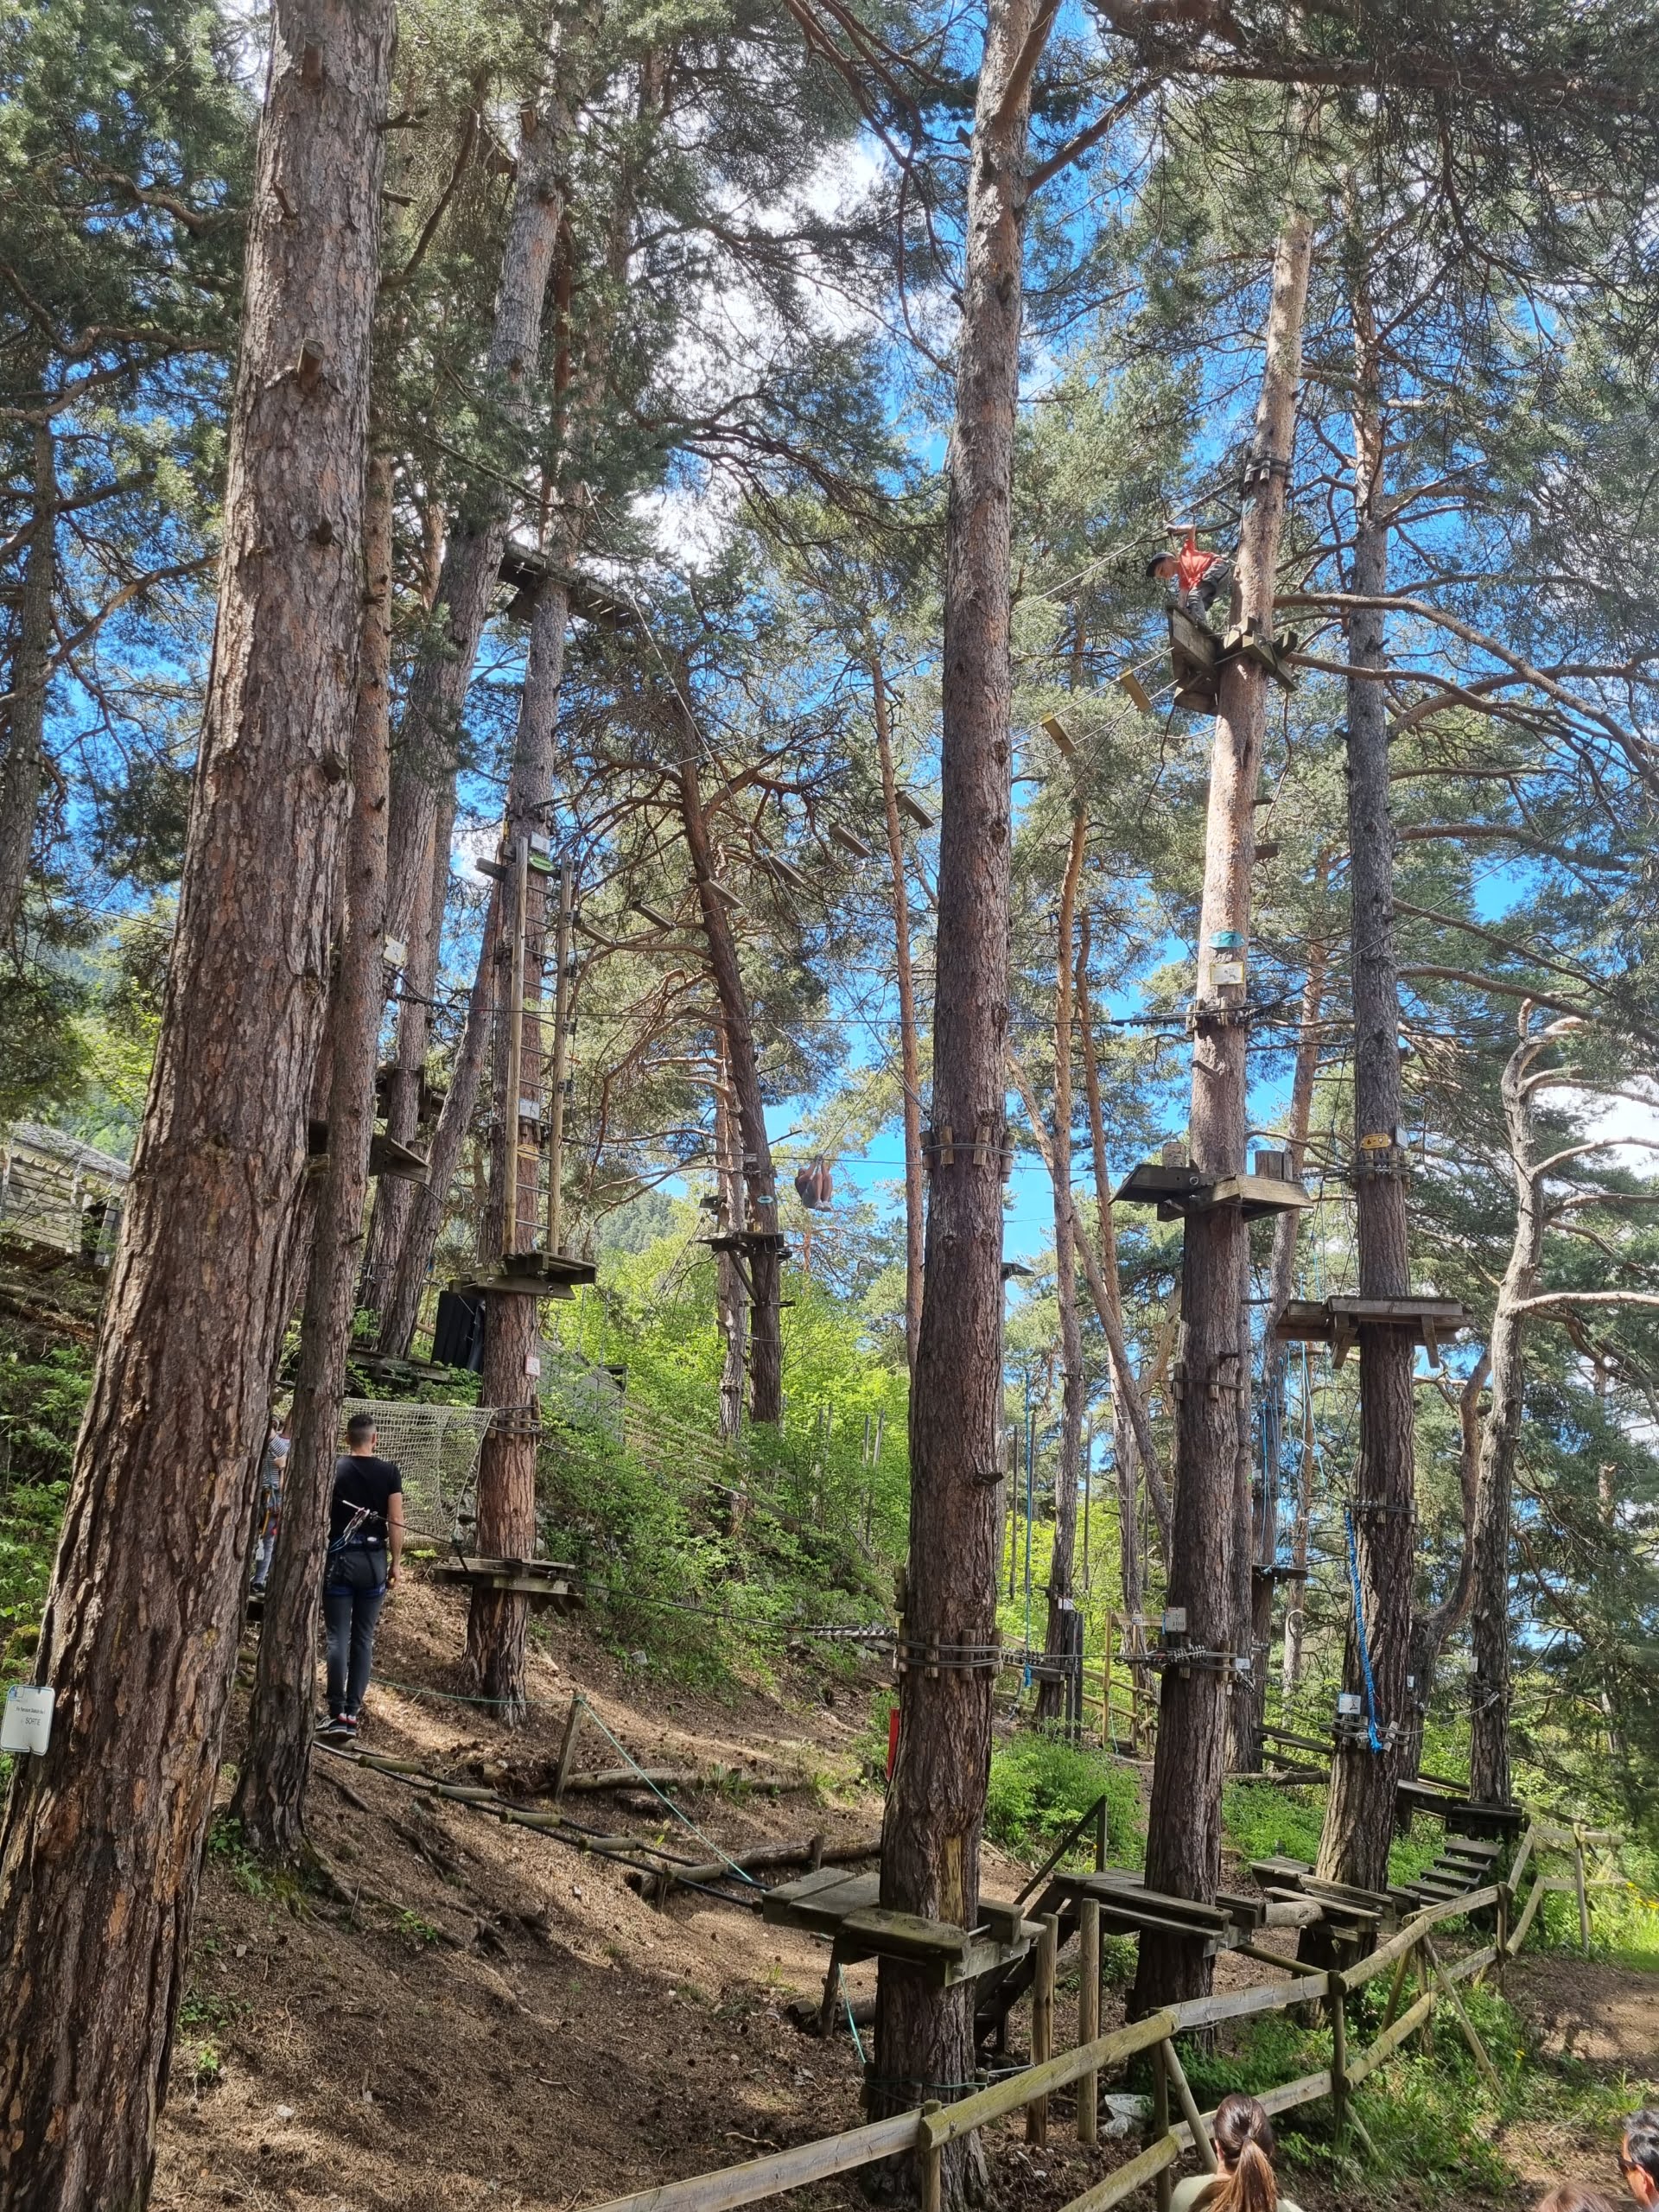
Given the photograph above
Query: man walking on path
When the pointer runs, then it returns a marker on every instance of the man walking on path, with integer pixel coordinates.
(365, 1543)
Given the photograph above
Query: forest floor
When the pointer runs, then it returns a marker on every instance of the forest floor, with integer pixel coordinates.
(480, 2016)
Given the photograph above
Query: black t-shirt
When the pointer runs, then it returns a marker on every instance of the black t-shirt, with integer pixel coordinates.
(360, 1481)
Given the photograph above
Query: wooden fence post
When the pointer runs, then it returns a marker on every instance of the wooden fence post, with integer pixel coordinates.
(1337, 1993)
(1042, 2021)
(1190, 2113)
(1503, 1935)
(1088, 2012)
(1395, 1990)
(927, 2163)
(1448, 1990)
(1584, 1902)
(1160, 2117)
(1100, 1834)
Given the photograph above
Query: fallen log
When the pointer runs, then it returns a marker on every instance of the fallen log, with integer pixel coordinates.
(633, 1777)
(814, 1852)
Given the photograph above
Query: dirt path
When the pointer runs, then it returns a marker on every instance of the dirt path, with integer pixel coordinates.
(482, 2017)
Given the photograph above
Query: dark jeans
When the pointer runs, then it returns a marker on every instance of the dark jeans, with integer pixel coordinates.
(354, 1589)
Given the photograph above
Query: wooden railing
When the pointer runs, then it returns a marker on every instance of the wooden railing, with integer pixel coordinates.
(925, 2132)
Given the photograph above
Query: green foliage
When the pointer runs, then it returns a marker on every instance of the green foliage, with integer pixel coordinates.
(1041, 1784)
(1261, 1821)
(230, 1849)
(42, 1399)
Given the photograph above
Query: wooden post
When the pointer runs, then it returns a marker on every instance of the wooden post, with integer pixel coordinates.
(1042, 2021)
(567, 1745)
(1449, 1991)
(561, 1062)
(1190, 2113)
(1396, 1989)
(1584, 1902)
(1100, 1834)
(927, 2163)
(509, 1106)
(1106, 1688)
(1335, 2000)
(1161, 2118)
(1088, 2012)
(1503, 1903)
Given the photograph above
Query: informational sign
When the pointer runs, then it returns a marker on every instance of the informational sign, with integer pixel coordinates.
(1175, 1621)
(28, 1722)
(1225, 971)
(533, 1364)
(1348, 1704)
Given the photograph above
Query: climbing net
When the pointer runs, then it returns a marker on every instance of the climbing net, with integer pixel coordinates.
(438, 1448)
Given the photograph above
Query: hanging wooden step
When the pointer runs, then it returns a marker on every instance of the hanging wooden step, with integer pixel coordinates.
(1178, 1192)
(546, 1583)
(532, 1274)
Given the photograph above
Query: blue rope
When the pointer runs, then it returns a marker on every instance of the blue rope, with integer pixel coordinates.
(684, 1819)
(858, 2041)
(1359, 1624)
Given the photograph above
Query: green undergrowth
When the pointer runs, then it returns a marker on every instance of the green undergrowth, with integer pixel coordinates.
(1432, 2118)
(43, 1396)
(1264, 1819)
(1040, 1785)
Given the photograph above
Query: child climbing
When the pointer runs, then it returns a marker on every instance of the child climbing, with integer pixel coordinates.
(271, 1471)
(815, 1187)
(1243, 2136)
(1195, 576)
(365, 1543)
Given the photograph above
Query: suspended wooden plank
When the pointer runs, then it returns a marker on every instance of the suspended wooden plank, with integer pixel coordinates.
(914, 810)
(849, 842)
(1130, 683)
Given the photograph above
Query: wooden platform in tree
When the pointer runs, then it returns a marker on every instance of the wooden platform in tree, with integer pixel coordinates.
(1463, 1816)
(1127, 1906)
(843, 1906)
(544, 1582)
(1178, 1192)
(1337, 1321)
(532, 1274)
(396, 1162)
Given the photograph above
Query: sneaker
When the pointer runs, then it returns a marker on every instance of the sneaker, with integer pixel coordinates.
(334, 1729)
(348, 1721)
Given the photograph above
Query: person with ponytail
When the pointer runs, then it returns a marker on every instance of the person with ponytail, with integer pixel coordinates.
(1243, 2136)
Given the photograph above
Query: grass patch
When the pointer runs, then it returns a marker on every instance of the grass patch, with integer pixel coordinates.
(1039, 1785)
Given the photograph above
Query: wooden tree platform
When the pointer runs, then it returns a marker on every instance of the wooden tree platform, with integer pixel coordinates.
(844, 1907)
(532, 1274)
(1337, 1321)
(544, 1582)
(1178, 1192)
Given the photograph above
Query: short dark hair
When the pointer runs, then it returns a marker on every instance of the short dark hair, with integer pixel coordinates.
(359, 1428)
(1573, 2197)
(1642, 2142)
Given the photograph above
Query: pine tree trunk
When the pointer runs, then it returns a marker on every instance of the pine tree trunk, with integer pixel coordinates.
(1429, 1630)
(765, 1262)
(400, 1297)
(910, 1065)
(1250, 1707)
(423, 768)
(1131, 1417)
(103, 1837)
(271, 1791)
(23, 771)
(935, 1801)
(1212, 1408)
(1051, 1695)
(1367, 1765)
(730, 1298)
(1500, 1441)
(498, 1619)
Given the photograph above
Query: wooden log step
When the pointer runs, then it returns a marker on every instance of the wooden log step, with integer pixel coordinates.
(905, 1934)
(1293, 1912)
(1117, 1885)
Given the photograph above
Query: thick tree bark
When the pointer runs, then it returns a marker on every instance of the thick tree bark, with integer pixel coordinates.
(24, 769)
(497, 1619)
(1500, 1441)
(1212, 1408)
(271, 1791)
(936, 1801)
(910, 1058)
(103, 1836)
(1051, 1695)
(424, 758)
(765, 1262)
(1250, 1707)
(1368, 1761)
